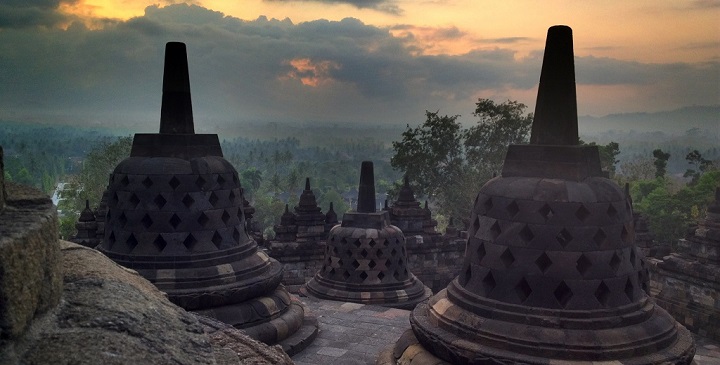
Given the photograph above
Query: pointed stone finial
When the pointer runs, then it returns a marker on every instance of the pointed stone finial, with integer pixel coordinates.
(556, 120)
(307, 183)
(626, 190)
(386, 205)
(87, 204)
(451, 222)
(366, 190)
(176, 116)
(407, 181)
(287, 210)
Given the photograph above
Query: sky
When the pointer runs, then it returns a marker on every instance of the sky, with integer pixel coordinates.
(99, 62)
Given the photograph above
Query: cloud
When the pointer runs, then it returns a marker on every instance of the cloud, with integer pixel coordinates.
(275, 70)
(31, 13)
(386, 6)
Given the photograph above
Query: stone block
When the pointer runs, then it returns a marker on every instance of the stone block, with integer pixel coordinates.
(30, 271)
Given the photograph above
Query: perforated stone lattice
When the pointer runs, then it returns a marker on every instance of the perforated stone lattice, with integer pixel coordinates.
(365, 260)
(174, 214)
(521, 246)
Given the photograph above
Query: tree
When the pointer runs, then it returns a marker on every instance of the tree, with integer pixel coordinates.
(700, 164)
(661, 160)
(448, 164)
(92, 180)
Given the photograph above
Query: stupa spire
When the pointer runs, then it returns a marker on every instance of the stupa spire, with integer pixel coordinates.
(366, 190)
(556, 121)
(176, 116)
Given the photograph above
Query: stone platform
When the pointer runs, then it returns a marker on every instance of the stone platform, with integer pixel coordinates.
(354, 334)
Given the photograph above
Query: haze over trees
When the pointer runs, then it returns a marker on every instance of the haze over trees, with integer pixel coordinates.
(671, 176)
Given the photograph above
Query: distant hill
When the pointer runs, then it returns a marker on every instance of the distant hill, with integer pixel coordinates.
(678, 121)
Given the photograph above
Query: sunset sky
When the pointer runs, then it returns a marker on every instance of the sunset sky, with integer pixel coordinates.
(340, 61)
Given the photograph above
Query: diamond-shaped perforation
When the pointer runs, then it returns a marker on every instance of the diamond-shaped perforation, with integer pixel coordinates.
(174, 182)
(190, 242)
(488, 204)
(632, 257)
(481, 252)
(134, 201)
(217, 239)
(346, 274)
(489, 283)
(160, 242)
(629, 289)
(543, 262)
(526, 234)
(355, 264)
(396, 275)
(507, 257)
(203, 219)
(225, 217)
(200, 182)
(125, 181)
(624, 234)
(602, 294)
(563, 294)
(615, 262)
(582, 213)
(188, 201)
(546, 212)
(146, 221)
(357, 243)
(122, 219)
(160, 201)
(112, 239)
(213, 199)
(564, 237)
(512, 208)
(380, 275)
(348, 253)
(583, 264)
(363, 275)
(393, 253)
(476, 225)
(599, 237)
(495, 230)
(380, 253)
(175, 221)
(147, 182)
(232, 197)
(132, 241)
(372, 243)
(372, 264)
(115, 199)
(364, 253)
(523, 290)
(611, 211)
(220, 180)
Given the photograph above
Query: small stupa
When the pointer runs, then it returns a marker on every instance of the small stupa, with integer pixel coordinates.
(366, 259)
(551, 274)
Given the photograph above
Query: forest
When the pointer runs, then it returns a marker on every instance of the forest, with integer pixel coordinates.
(672, 176)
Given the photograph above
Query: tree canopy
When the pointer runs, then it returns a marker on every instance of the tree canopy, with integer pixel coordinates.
(449, 163)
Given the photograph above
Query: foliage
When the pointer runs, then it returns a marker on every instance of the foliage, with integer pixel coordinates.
(669, 213)
(92, 180)
(608, 157)
(448, 164)
(661, 160)
(700, 165)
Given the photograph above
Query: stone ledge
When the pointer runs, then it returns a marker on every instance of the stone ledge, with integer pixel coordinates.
(30, 271)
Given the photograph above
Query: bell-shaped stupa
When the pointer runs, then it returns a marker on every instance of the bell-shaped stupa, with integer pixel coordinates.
(175, 215)
(365, 257)
(551, 274)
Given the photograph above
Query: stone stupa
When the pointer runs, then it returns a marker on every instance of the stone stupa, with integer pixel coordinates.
(175, 215)
(366, 259)
(551, 274)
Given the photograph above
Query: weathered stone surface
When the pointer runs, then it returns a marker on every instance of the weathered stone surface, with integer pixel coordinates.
(550, 272)
(687, 283)
(176, 214)
(111, 315)
(365, 258)
(30, 272)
